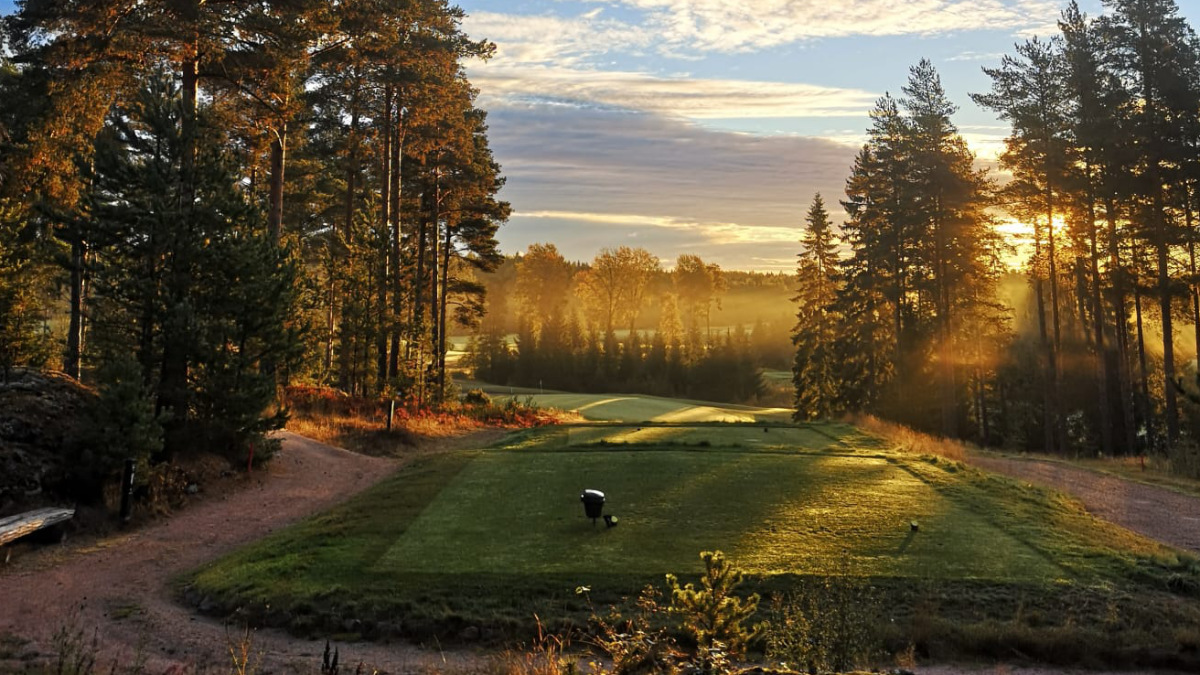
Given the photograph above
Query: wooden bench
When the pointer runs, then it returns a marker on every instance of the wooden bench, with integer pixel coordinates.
(15, 527)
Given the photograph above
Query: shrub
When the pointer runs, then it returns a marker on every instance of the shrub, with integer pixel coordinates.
(711, 614)
(121, 424)
(824, 626)
(477, 397)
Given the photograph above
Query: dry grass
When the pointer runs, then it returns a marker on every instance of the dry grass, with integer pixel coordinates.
(359, 423)
(909, 441)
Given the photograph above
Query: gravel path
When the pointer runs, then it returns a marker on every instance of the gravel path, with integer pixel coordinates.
(120, 588)
(1168, 516)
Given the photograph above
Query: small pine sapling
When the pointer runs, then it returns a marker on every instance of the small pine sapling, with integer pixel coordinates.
(712, 614)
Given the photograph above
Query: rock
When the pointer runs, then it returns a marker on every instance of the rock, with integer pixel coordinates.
(470, 634)
(191, 596)
(207, 606)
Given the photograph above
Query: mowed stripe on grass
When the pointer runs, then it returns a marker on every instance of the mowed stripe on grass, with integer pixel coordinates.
(639, 408)
(495, 537)
(773, 513)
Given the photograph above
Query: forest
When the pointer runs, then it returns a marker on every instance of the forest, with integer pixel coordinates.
(622, 323)
(201, 202)
(204, 201)
(1101, 161)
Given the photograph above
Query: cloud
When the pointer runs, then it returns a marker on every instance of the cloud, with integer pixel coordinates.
(977, 56)
(692, 98)
(575, 174)
(548, 39)
(710, 232)
(753, 25)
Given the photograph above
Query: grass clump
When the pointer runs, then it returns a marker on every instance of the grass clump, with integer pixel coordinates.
(909, 441)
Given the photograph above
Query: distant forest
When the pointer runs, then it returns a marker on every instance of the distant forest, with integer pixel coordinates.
(621, 323)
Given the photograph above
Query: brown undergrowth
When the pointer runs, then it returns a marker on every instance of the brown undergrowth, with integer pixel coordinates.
(360, 423)
(906, 440)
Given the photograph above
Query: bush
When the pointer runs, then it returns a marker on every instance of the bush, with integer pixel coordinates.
(121, 424)
(711, 614)
(477, 397)
(824, 626)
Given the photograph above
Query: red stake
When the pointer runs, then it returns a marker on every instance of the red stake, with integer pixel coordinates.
(250, 460)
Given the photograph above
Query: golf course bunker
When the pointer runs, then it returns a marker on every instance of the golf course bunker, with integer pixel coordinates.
(773, 513)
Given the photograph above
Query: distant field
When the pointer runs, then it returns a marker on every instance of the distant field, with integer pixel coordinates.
(492, 537)
(640, 408)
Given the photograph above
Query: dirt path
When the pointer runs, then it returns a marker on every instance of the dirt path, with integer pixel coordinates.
(1156, 512)
(119, 587)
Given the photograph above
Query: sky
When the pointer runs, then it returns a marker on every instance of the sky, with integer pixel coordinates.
(706, 126)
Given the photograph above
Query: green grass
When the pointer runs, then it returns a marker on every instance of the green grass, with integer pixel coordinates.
(492, 537)
(641, 408)
(520, 511)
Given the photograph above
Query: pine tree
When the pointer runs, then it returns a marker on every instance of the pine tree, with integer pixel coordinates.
(815, 371)
(215, 288)
(1029, 91)
(957, 240)
(1155, 54)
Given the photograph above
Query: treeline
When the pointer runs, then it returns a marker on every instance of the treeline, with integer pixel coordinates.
(745, 298)
(580, 328)
(217, 198)
(920, 322)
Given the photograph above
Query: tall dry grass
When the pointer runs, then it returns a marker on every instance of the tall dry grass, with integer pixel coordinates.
(909, 440)
(359, 423)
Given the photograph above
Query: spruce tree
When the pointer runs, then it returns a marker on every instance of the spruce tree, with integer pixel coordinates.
(815, 370)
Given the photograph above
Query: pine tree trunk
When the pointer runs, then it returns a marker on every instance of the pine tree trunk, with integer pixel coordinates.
(397, 178)
(1144, 406)
(275, 199)
(172, 385)
(434, 268)
(1120, 326)
(1164, 297)
(1049, 392)
(444, 302)
(1056, 347)
(73, 361)
(1103, 369)
(330, 325)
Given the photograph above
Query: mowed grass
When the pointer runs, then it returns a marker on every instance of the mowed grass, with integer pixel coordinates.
(773, 513)
(641, 408)
(492, 537)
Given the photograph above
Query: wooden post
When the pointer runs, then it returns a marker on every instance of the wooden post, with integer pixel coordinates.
(127, 490)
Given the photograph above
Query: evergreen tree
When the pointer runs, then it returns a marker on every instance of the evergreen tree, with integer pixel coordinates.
(1029, 92)
(1155, 54)
(815, 372)
(202, 277)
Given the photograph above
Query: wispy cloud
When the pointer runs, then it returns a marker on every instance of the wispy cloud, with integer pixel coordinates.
(576, 173)
(691, 98)
(977, 56)
(549, 39)
(711, 232)
(751, 25)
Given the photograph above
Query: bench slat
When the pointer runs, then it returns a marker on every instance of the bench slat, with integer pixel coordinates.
(15, 527)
